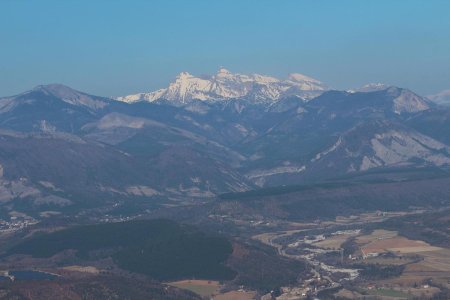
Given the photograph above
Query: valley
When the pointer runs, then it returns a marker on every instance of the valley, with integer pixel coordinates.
(349, 255)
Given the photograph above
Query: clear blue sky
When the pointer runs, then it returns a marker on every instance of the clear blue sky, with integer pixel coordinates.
(117, 47)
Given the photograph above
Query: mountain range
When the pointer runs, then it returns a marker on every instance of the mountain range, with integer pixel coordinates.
(203, 136)
(226, 85)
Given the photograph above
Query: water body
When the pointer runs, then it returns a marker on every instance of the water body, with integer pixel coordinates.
(28, 275)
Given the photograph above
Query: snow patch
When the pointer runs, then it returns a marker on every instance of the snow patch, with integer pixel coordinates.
(329, 150)
(275, 171)
(142, 190)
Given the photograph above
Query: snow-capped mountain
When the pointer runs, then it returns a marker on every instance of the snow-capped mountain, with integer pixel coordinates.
(72, 96)
(54, 91)
(52, 107)
(370, 87)
(226, 85)
(442, 98)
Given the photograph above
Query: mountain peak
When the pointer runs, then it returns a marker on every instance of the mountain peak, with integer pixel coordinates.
(297, 77)
(184, 75)
(405, 101)
(441, 98)
(226, 85)
(371, 87)
(71, 96)
(54, 88)
(222, 70)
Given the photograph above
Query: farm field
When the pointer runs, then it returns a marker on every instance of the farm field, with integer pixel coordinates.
(334, 242)
(381, 241)
(388, 293)
(379, 234)
(204, 288)
(347, 294)
(236, 295)
(435, 264)
(398, 244)
(402, 293)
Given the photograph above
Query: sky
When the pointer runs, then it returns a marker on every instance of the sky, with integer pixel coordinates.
(120, 47)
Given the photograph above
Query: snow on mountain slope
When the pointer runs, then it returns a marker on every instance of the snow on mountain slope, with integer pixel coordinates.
(370, 87)
(406, 101)
(383, 144)
(71, 96)
(226, 85)
(394, 147)
(50, 108)
(442, 98)
(59, 91)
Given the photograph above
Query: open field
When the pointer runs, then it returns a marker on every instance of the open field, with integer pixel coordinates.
(388, 293)
(207, 288)
(435, 261)
(423, 292)
(204, 288)
(439, 260)
(380, 241)
(236, 295)
(83, 269)
(436, 265)
(398, 244)
(369, 217)
(347, 294)
(333, 242)
(387, 261)
(378, 234)
(402, 293)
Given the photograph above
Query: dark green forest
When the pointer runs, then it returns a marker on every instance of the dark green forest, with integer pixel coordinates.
(161, 249)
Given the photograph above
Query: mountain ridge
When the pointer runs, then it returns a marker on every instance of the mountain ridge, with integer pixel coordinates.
(55, 139)
(226, 85)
